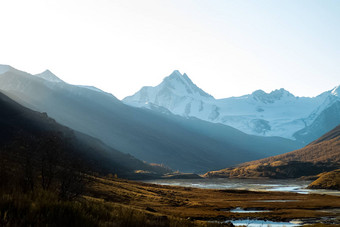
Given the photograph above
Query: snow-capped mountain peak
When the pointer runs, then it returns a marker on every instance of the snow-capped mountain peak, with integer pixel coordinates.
(335, 91)
(182, 84)
(271, 97)
(276, 113)
(49, 76)
(4, 68)
(178, 94)
(175, 74)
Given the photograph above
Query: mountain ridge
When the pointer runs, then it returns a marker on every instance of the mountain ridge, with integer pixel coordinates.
(185, 144)
(48, 75)
(277, 113)
(20, 125)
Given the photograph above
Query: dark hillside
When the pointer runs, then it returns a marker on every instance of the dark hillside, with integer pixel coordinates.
(22, 127)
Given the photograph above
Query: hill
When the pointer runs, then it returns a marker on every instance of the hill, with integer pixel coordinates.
(322, 155)
(28, 134)
(188, 145)
(328, 180)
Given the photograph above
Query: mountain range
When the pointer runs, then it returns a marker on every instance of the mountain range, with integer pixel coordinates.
(278, 113)
(154, 135)
(27, 131)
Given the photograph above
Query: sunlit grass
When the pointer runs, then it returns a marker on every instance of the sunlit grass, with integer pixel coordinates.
(43, 208)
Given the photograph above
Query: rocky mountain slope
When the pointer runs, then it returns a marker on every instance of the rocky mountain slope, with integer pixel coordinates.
(278, 113)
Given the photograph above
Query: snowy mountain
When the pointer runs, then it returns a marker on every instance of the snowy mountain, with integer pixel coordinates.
(4, 68)
(49, 76)
(278, 113)
(176, 93)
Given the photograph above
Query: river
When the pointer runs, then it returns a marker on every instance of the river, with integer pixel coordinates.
(286, 185)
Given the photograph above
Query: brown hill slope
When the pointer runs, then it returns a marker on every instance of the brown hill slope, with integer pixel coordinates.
(321, 155)
(330, 180)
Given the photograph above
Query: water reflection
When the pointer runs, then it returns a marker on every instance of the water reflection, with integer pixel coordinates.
(276, 201)
(240, 210)
(262, 223)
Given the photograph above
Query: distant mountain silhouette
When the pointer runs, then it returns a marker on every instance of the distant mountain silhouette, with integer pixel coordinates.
(188, 145)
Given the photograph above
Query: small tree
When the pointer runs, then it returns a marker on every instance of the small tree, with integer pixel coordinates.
(24, 148)
(72, 179)
(49, 151)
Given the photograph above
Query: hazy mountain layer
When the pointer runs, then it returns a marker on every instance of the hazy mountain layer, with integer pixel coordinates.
(180, 143)
(20, 126)
(278, 113)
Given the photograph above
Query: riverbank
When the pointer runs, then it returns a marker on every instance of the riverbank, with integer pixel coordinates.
(216, 205)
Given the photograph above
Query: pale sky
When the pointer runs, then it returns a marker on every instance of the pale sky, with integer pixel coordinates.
(228, 48)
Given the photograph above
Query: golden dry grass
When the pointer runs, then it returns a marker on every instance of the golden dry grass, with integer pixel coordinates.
(207, 204)
(307, 161)
(330, 180)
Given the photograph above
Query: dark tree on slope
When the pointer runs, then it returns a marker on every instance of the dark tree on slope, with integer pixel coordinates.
(44, 162)
(49, 157)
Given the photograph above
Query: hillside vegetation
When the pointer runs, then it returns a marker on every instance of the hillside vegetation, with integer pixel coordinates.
(322, 155)
(330, 180)
(28, 134)
(63, 193)
(47, 172)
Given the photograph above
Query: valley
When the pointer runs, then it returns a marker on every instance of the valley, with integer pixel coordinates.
(116, 202)
(216, 204)
(187, 145)
(68, 154)
(218, 113)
